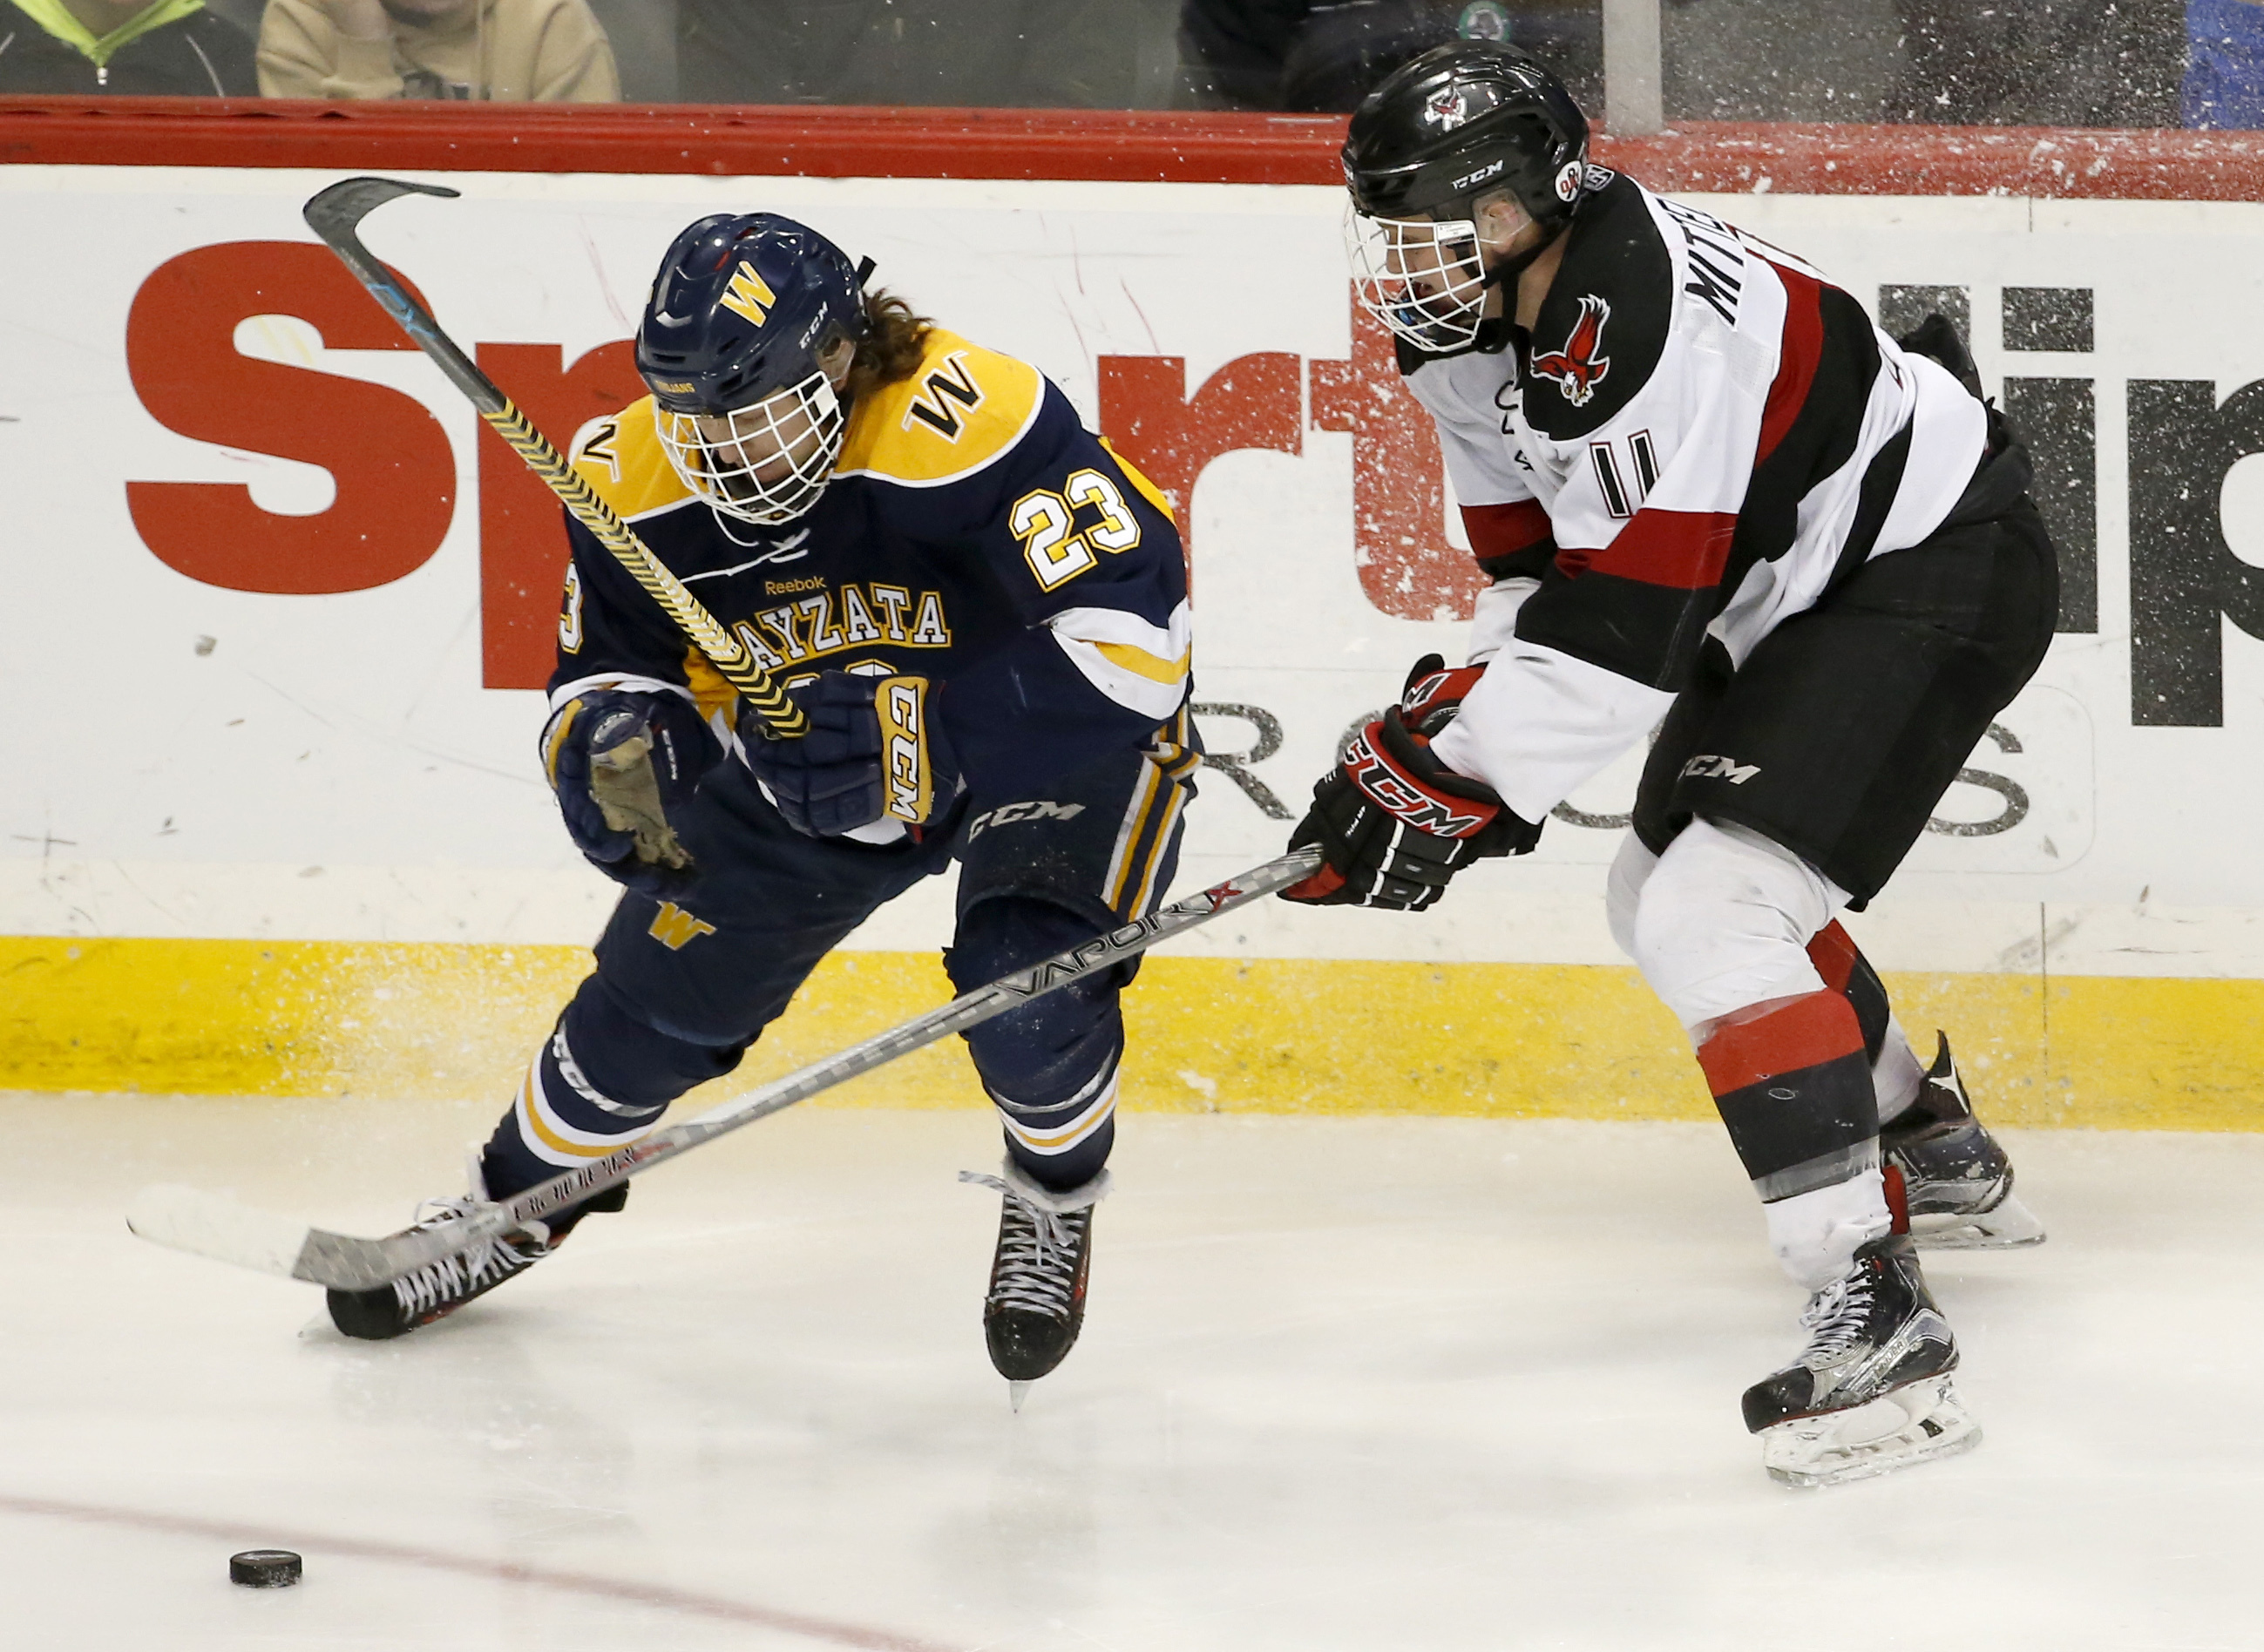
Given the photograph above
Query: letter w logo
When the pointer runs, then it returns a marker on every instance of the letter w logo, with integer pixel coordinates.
(951, 382)
(750, 294)
(673, 927)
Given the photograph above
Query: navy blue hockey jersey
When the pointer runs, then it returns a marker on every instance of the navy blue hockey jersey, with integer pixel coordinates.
(975, 533)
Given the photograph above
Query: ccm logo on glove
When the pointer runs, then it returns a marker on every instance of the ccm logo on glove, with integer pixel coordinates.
(903, 735)
(1403, 795)
(1393, 823)
(873, 753)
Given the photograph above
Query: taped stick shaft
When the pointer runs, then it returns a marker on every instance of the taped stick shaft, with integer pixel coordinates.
(336, 214)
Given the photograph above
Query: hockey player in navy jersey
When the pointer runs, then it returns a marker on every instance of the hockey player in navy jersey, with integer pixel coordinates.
(919, 538)
(1712, 499)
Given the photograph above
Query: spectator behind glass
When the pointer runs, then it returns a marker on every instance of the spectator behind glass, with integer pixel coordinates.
(2040, 63)
(1323, 56)
(2224, 75)
(1012, 54)
(171, 48)
(501, 51)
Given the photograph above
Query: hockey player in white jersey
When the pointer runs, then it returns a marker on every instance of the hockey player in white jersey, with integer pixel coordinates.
(1712, 499)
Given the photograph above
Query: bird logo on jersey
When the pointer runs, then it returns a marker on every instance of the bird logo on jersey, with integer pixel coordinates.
(1581, 364)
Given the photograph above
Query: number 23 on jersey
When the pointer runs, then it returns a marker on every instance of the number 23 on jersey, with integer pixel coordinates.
(1056, 547)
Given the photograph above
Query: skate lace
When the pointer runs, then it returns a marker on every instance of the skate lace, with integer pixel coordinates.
(457, 1276)
(1835, 1316)
(1037, 1251)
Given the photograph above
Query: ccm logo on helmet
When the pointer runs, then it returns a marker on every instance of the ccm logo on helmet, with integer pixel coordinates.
(1480, 175)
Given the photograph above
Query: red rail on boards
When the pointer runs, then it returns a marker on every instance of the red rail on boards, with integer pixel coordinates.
(1087, 144)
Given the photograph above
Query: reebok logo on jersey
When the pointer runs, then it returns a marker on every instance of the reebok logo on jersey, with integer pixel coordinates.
(1581, 364)
(1719, 769)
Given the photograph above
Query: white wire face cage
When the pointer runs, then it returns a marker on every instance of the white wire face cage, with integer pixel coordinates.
(763, 463)
(1421, 277)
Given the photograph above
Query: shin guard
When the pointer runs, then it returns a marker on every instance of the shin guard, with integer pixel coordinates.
(1793, 1084)
(1049, 1066)
(601, 1079)
(1897, 1072)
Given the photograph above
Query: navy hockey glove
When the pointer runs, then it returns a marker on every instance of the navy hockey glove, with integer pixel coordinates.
(1395, 824)
(623, 764)
(874, 752)
(1434, 693)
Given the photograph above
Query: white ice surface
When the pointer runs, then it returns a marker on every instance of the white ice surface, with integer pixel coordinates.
(1421, 1384)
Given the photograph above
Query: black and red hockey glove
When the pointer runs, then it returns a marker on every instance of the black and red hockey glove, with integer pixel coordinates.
(1395, 824)
(1434, 693)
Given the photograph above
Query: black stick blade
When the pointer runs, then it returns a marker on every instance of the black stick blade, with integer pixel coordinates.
(334, 212)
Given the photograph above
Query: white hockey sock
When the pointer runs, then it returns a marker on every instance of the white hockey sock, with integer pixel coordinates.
(1898, 1076)
(1816, 1234)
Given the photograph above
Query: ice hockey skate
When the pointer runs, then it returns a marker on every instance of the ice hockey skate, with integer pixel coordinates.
(1036, 1303)
(1957, 1179)
(1871, 1391)
(437, 1290)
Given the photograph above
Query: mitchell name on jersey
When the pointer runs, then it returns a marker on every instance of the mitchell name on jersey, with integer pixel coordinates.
(1700, 437)
(975, 533)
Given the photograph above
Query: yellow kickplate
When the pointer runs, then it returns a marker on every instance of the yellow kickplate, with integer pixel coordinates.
(1506, 1040)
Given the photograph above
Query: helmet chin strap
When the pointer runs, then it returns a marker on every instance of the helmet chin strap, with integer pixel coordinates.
(1509, 269)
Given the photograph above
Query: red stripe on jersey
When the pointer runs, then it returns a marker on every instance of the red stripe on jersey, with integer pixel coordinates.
(1833, 951)
(1798, 355)
(1804, 1032)
(1684, 550)
(1504, 530)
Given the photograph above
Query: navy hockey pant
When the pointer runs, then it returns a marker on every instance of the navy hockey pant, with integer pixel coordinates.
(682, 988)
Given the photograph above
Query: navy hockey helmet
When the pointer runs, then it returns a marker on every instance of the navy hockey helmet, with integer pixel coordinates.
(1441, 134)
(750, 330)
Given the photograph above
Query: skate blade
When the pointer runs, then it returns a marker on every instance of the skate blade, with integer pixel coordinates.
(2007, 1227)
(1911, 1425)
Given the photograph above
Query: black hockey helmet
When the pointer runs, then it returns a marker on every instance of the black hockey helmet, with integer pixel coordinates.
(745, 314)
(1462, 121)
(1444, 130)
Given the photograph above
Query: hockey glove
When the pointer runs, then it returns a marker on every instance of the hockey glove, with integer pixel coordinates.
(873, 753)
(1394, 824)
(623, 764)
(1433, 693)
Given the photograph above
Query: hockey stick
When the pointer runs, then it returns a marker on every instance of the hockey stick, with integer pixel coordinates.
(210, 1226)
(336, 215)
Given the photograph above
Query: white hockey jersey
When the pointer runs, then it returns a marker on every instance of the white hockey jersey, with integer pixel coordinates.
(1702, 437)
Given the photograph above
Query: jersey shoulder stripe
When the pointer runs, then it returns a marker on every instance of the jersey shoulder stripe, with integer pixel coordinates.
(622, 458)
(962, 408)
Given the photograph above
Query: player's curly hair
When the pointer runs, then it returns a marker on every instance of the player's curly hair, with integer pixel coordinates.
(894, 337)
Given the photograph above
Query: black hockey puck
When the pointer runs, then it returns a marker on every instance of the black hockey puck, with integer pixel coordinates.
(263, 1568)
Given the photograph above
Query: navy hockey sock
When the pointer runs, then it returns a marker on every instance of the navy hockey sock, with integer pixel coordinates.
(601, 1080)
(1050, 1066)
